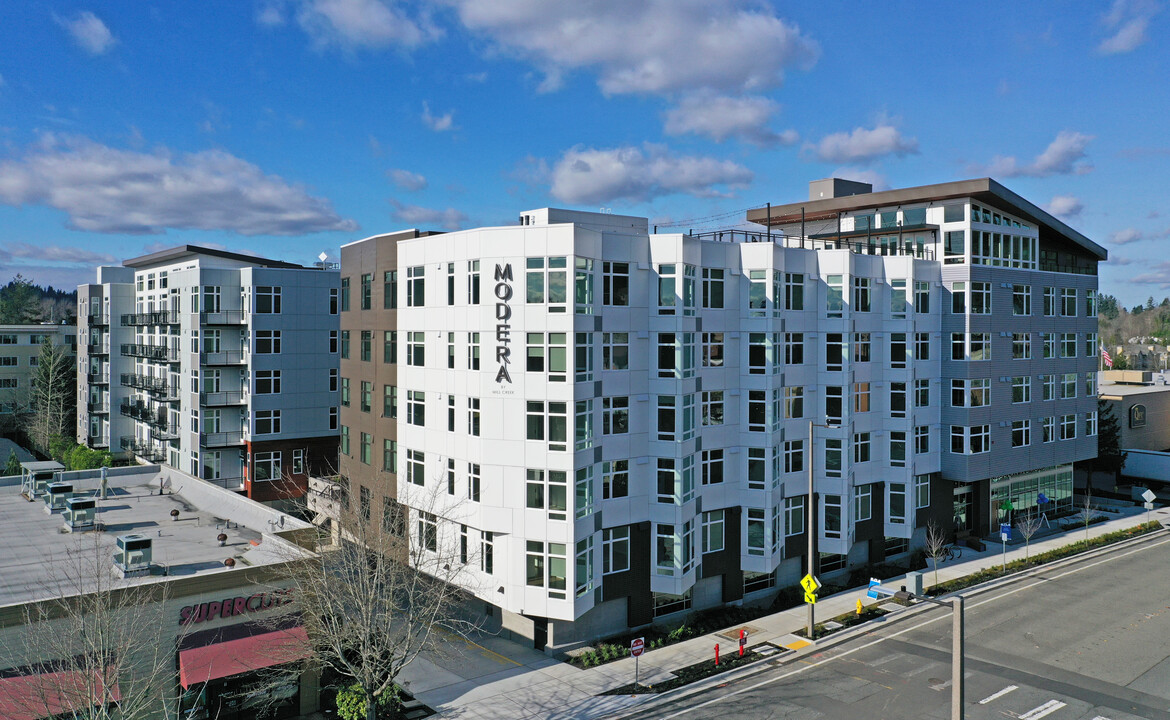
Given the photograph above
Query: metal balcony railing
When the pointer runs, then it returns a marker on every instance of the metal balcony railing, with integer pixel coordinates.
(228, 483)
(227, 357)
(98, 348)
(98, 320)
(221, 439)
(164, 432)
(151, 318)
(223, 317)
(99, 441)
(151, 352)
(227, 397)
(99, 406)
(98, 378)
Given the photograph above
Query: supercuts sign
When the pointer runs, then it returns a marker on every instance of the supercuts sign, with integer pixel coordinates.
(503, 324)
(231, 607)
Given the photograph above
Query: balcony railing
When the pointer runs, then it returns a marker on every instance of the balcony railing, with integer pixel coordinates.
(164, 432)
(137, 411)
(227, 397)
(98, 378)
(99, 441)
(99, 406)
(228, 357)
(151, 352)
(146, 382)
(150, 318)
(228, 483)
(98, 348)
(98, 320)
(221, 439)
(223, 317)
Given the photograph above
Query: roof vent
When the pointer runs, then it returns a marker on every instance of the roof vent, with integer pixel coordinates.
(133, 556)
(80, 514)
(56, 495)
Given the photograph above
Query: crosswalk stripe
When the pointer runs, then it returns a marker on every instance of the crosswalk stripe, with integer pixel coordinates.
(1001, 693)
(1042, 711)
(1100, 717)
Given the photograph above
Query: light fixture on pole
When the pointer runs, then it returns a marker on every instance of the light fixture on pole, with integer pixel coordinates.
(956, 605)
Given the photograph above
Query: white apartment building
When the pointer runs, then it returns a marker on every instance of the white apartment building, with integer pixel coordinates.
(20, 349)
(620, 419)
(219, 364)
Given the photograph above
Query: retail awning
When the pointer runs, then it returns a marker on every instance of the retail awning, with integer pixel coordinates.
(29, 697)
(241, 655)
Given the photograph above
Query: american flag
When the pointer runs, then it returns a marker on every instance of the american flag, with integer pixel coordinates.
(1105, 356)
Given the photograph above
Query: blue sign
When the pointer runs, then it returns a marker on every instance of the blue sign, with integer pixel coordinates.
(1041, 498)
(1005, 531)
(872, 593)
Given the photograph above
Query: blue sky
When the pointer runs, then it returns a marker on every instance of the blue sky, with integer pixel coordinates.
(289, 127)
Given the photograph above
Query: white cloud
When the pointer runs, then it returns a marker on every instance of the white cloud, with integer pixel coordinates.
(438, 123)
(449, 219)
(56, 253)
(588, 175)
(1064, 156)
(865, 175)
(1118, 260)
(864, 145)
(1127, 21)
(105, 189)
(407, 180)
(1126, 236)
(654, 46)
(1065, 206)
(720, 117)
(270, 15)
(89, 32)
(358, 24)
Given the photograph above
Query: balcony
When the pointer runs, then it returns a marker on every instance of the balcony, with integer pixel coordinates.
(137, 411)
(221, 439)
(227, 397)
(150, 318)
(164, 432)
(98, 378)
(98, 348)
(98, 320)
(101, 407)
(324, 497)
(98, 441)
(227, 483)
(229, 357)
(223, 317)
(148, 351)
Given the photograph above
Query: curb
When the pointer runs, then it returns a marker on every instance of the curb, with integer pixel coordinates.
(850, 633)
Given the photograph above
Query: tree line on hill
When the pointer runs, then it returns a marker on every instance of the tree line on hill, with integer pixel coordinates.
(23, 303)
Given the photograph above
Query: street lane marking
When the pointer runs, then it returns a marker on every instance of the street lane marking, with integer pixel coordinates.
(912, 628)
(1001, 693)
(1100, 717)
(1046, 709)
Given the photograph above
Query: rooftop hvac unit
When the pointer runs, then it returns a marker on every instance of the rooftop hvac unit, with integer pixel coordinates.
(134, 554)
(56, 495)
(80, 513)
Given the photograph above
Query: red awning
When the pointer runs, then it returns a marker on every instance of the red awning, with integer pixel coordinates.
(29, 697)
(233, 657)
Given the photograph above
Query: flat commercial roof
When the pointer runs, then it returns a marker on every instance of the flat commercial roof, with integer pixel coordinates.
(182, 251)
(1105, 389)
(42, 560)
(984, 190)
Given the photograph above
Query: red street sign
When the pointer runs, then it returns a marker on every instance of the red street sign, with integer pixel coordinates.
(637, 646)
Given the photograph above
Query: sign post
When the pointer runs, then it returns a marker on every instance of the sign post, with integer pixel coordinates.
(810, 585)
(1148, 496)
(637, 647)
(1005, 533)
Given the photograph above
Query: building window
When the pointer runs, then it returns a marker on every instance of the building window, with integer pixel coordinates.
(548, 491)
(268, 343)
(897, 448)
(793, 456)
(344, 294)
(898, 298)
(615, 351)
(1068, 386)
(897, 514)
(556, 422)
(416, 286)
(793, 348)
(367, 448)
(757, 353)
(712, 349)
(615, 550)
(921, 491)
(416, 467)
(713, 288)
(473, 351)
(615, 415)
(267, 299)
(428, 532)
(974, 392)
(615, 284)
(583, 351)
(861, 345)
(832, 525)
(712, 467)
(1068, 302)
(1021, 346)
(1091, 423)
(1090, 303)
(1068, 345)
(333, 418)
(898, 399)
(583, 286)
(1021, 300)
(583, 425)
(861, 447)
(345, 440)
(1022, 389)
(1090, 384)
(1049, 342)
(667, 417)
(757, 411)
(794, 515)
(793, 402)
(416, 349)
(862, 291)
(833, 404)
(1048, 429)
(667, 289)
(980, 347)
(344, 343)
(1068, 427)
(668, 355)
(1047, 387)
(450, 351)
(390, 401)
(367, 291)
(267, 382)
(473, 416)
(266, 465)
(834, 351)
(1049, 301)
(862, 503)
(390, 455)
(367, 398)
(390, 289)
(970, 440)
(393, 517)
(555, 352)
(615, 479)
(416, 407)
(897, 349)
(959, 298)
(267, 422)
(713, 531)
(861, 397)
(922, 392)
(1021, 433)
(333, 300)
(486, 552)
(980, 298)
(955, 246)
(834, 295)
(921, 439)
(473, 482)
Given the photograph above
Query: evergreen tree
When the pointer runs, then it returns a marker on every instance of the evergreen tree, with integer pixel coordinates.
(20, 303)
(53, 396)
(13, 466)
(1109, 455)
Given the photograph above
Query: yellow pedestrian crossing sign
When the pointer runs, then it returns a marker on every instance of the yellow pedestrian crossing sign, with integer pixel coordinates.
(810, 598)
(810, 583)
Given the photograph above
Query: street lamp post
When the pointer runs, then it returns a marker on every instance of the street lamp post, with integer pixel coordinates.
(956, 604)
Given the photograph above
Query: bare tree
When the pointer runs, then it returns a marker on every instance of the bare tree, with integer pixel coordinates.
(1086, 512)
(1028, 525)
(937, 541)
(97, 647)
(387, 589)
(53, 396)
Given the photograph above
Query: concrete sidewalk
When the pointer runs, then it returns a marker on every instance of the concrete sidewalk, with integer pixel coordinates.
(495, 679)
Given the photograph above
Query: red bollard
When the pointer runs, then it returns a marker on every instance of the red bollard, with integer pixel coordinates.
(716, 654)
(742, 642)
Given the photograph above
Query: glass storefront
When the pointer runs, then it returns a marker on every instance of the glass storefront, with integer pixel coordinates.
(1024, 491)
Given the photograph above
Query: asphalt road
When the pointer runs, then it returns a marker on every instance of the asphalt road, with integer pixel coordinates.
(1087, 640)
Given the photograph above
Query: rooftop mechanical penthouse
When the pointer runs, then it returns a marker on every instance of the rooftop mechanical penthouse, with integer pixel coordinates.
(624, 422)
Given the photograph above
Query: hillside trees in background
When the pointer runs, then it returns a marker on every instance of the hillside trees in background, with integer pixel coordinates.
(22, 303)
